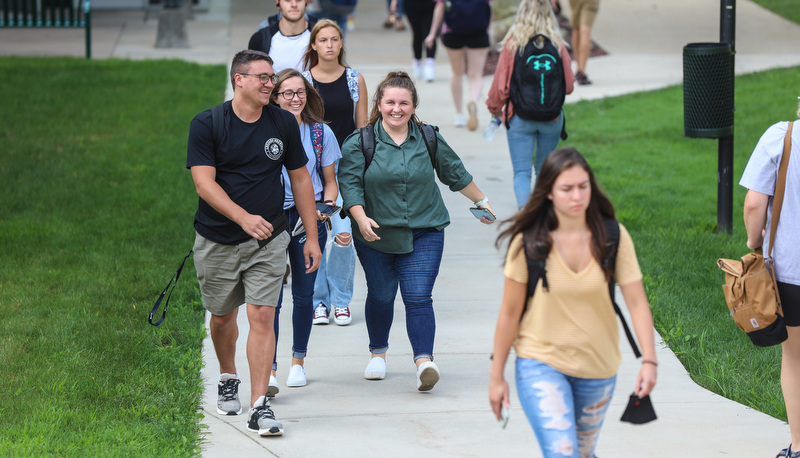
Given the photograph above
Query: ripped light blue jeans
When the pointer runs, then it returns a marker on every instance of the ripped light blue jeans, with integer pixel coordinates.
(334, 284)
(566, 413)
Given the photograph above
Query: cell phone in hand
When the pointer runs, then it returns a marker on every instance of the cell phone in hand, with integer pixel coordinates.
(482, 212)
(328, 210)
(503, 416)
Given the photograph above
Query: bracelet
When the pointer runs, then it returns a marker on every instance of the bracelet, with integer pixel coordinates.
(647, 361)
(482, 201)
(327, 201)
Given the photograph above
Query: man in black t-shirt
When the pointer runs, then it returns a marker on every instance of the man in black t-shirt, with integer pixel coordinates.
(240, 246)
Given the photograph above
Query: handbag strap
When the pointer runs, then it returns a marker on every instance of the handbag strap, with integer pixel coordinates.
(780, 187)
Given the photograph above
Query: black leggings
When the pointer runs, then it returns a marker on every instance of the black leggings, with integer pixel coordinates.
(420, 16)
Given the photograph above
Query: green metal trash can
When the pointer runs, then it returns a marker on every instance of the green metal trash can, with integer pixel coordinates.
(707, 90)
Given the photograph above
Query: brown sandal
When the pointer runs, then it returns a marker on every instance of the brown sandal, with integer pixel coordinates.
(389, 22)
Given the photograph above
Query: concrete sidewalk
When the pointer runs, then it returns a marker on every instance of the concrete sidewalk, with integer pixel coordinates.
(339, 413)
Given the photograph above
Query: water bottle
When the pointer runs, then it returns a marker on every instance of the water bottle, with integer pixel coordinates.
(488, 134)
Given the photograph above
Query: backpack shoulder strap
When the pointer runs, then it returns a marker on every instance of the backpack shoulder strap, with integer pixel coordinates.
(431, 142)
(217, 123)
(536, 271)
(610, 261)
(367, 144)
(307, 75)
(316, 140)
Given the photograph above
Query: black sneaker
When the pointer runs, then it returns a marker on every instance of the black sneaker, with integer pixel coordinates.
(262, 421)
(228, 399)
(582, 78)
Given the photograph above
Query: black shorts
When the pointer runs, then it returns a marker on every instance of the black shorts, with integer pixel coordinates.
(454, 40)
(790, 301)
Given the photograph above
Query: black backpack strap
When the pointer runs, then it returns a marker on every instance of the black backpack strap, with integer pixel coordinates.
(367, 144)
(536, 271)
(610, 262)
(172, 282)
(217, 123)
(564, 127)
(431, 142)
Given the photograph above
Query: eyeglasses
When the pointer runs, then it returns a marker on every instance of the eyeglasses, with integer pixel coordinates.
(289, 95)
(263, 77)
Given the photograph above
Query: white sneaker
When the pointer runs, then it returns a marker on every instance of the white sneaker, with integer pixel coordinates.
(297, 376)
(427, 376)
(341, 316)
(460, 120)
(376, 369)
(428, 70)
(273, 389)
(321, 315)
(418, 73)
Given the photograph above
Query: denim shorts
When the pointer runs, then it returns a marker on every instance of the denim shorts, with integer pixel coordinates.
(230, 275)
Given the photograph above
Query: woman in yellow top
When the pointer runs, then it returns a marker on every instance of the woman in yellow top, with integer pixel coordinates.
(567, 341)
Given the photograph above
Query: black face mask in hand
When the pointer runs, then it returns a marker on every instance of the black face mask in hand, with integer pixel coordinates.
(639, 410)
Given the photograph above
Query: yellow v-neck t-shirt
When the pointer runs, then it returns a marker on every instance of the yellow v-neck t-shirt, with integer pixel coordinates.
(572, 326)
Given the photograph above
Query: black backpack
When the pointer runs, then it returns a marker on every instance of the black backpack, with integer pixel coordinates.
(538, 85)
(467, 16)
(536, 270)
(368, 143)
(262, 39)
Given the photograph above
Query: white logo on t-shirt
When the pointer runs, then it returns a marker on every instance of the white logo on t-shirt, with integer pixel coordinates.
(274, 148)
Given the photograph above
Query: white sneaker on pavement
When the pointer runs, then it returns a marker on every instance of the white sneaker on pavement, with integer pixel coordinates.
(273, 389)
(341, 316)
(376, 369)
(297, 376)
(321, 315)
(427, 376)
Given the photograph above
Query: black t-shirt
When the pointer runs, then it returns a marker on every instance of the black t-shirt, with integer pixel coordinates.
(248, 164)
(338, 107)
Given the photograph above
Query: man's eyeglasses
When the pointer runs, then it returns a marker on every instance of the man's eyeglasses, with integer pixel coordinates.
(263, 77)
(289, 95)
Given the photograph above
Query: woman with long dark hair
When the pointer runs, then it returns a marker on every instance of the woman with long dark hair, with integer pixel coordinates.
(566, 336)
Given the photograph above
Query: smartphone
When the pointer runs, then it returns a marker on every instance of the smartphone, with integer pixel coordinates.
(503, 416)
(481, 212)
(328, 210)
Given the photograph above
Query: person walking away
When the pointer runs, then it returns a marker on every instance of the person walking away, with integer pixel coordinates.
(344, 95)
(296, 95)
(395, 19)
(760, 177)
(566, 336)
(583, 14)
(237, 178)
(400, 215)
(465, 36)
(529, 138)
(284, 36)
(420, 18)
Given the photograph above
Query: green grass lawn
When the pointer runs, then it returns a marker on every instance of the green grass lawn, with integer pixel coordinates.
(97, 211)
(785, 8)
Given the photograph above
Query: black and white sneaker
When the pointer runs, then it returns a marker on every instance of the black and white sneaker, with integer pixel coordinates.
(228, 397)
(262, 421)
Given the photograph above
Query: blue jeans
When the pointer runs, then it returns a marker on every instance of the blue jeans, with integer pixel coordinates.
(334, 285)
(526, 138)
(302, 289)
(566, 413)
(415, 273)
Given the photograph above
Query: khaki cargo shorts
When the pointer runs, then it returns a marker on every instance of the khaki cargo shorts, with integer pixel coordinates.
(230, 275)
(583, 12)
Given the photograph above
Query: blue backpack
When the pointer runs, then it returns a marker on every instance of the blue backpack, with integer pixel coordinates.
(467, 16)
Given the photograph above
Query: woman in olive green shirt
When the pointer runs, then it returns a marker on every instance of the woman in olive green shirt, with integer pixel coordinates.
(399, 211)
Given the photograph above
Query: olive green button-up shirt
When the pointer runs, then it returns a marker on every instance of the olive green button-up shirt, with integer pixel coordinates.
(399, 189)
